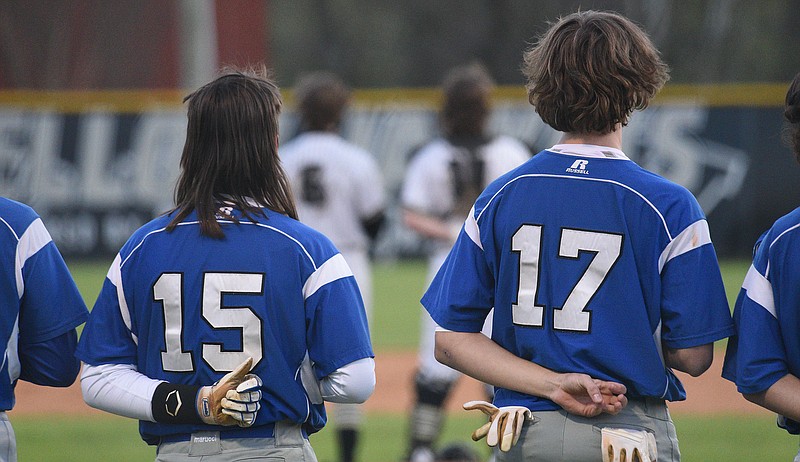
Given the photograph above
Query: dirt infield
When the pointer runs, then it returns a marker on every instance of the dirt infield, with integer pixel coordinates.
(708, 394)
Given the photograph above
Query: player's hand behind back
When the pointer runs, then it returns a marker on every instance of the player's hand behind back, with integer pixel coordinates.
(582, 395)
(233, 400)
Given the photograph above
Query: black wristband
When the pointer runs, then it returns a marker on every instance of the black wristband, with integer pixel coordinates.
(175, 404)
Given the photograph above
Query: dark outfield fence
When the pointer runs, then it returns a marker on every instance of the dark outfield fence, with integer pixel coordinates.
(96, 165)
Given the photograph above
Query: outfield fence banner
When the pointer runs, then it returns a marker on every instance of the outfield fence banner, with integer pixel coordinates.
(97, 172)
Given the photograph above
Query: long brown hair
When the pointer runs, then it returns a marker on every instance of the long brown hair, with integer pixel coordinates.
(467, 93)
(590, 70)
(231, 151)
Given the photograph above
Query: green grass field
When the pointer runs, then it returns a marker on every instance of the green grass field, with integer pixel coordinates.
(724, 438)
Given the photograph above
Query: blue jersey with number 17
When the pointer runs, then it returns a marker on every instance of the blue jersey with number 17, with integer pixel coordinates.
(187, 309)
(592, 264)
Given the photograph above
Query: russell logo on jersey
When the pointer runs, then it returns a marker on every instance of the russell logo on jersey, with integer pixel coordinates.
(579, 166)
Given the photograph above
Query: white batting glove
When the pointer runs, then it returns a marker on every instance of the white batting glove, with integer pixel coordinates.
(623, 444)
(242, 403)
(209, 398)
(504, 425)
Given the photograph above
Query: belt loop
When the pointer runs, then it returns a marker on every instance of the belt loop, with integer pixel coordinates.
(288, 434)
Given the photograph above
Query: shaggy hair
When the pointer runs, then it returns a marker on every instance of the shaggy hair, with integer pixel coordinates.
(321, 98)
(231, 151)
(590, 71)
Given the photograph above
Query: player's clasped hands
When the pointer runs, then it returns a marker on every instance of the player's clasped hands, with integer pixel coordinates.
(582, 395)
(576, 393)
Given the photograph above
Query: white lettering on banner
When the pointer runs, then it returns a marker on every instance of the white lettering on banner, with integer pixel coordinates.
(34, 168)
(668, 144)
(28, 150)
(112, 169)
(77, 232)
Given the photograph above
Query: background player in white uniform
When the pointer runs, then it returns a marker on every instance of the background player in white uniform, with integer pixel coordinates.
(763, 359)
(339, 191)
(229, 274)
(41, 309)
(593, 265)
(443, 179)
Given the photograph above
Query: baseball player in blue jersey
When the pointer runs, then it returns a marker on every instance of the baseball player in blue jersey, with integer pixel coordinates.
(224, 324)
(339, 191)
(593, 265)
(41, 309)
(763, 359)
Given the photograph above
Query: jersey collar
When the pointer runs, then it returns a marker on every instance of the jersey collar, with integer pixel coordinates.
(228, 200)
(589, 150)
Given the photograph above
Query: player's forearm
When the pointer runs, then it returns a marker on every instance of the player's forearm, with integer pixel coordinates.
(694, 361)
(429, 226)
(782, 397)
(119, 389)
(480, 357)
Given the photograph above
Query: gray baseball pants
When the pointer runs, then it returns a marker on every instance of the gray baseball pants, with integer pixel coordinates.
(288, 444)
(558, 436)
(8, 442)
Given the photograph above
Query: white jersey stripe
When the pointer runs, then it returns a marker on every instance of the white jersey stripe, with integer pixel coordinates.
(660, 349)
(190, 223)
(567, 177)
(115, 276)
(335, 268)
(766, 273)
(31, 241)
(12, 353)
(759, 290)
(471, 228)
(694, 236)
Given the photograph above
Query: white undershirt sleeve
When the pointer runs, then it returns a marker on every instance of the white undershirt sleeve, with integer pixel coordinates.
(352, 383)
(119, 389)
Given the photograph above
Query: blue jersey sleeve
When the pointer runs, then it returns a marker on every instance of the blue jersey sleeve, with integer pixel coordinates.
(767, 346)
(759, 354)
(106, 339)
(45, 363)
(762, 360)
(51, 304)
(461, 294)
(338, 333)
(694, 306)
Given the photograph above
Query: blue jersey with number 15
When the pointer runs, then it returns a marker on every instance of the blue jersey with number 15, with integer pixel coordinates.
(187, 309)
(592, 264)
